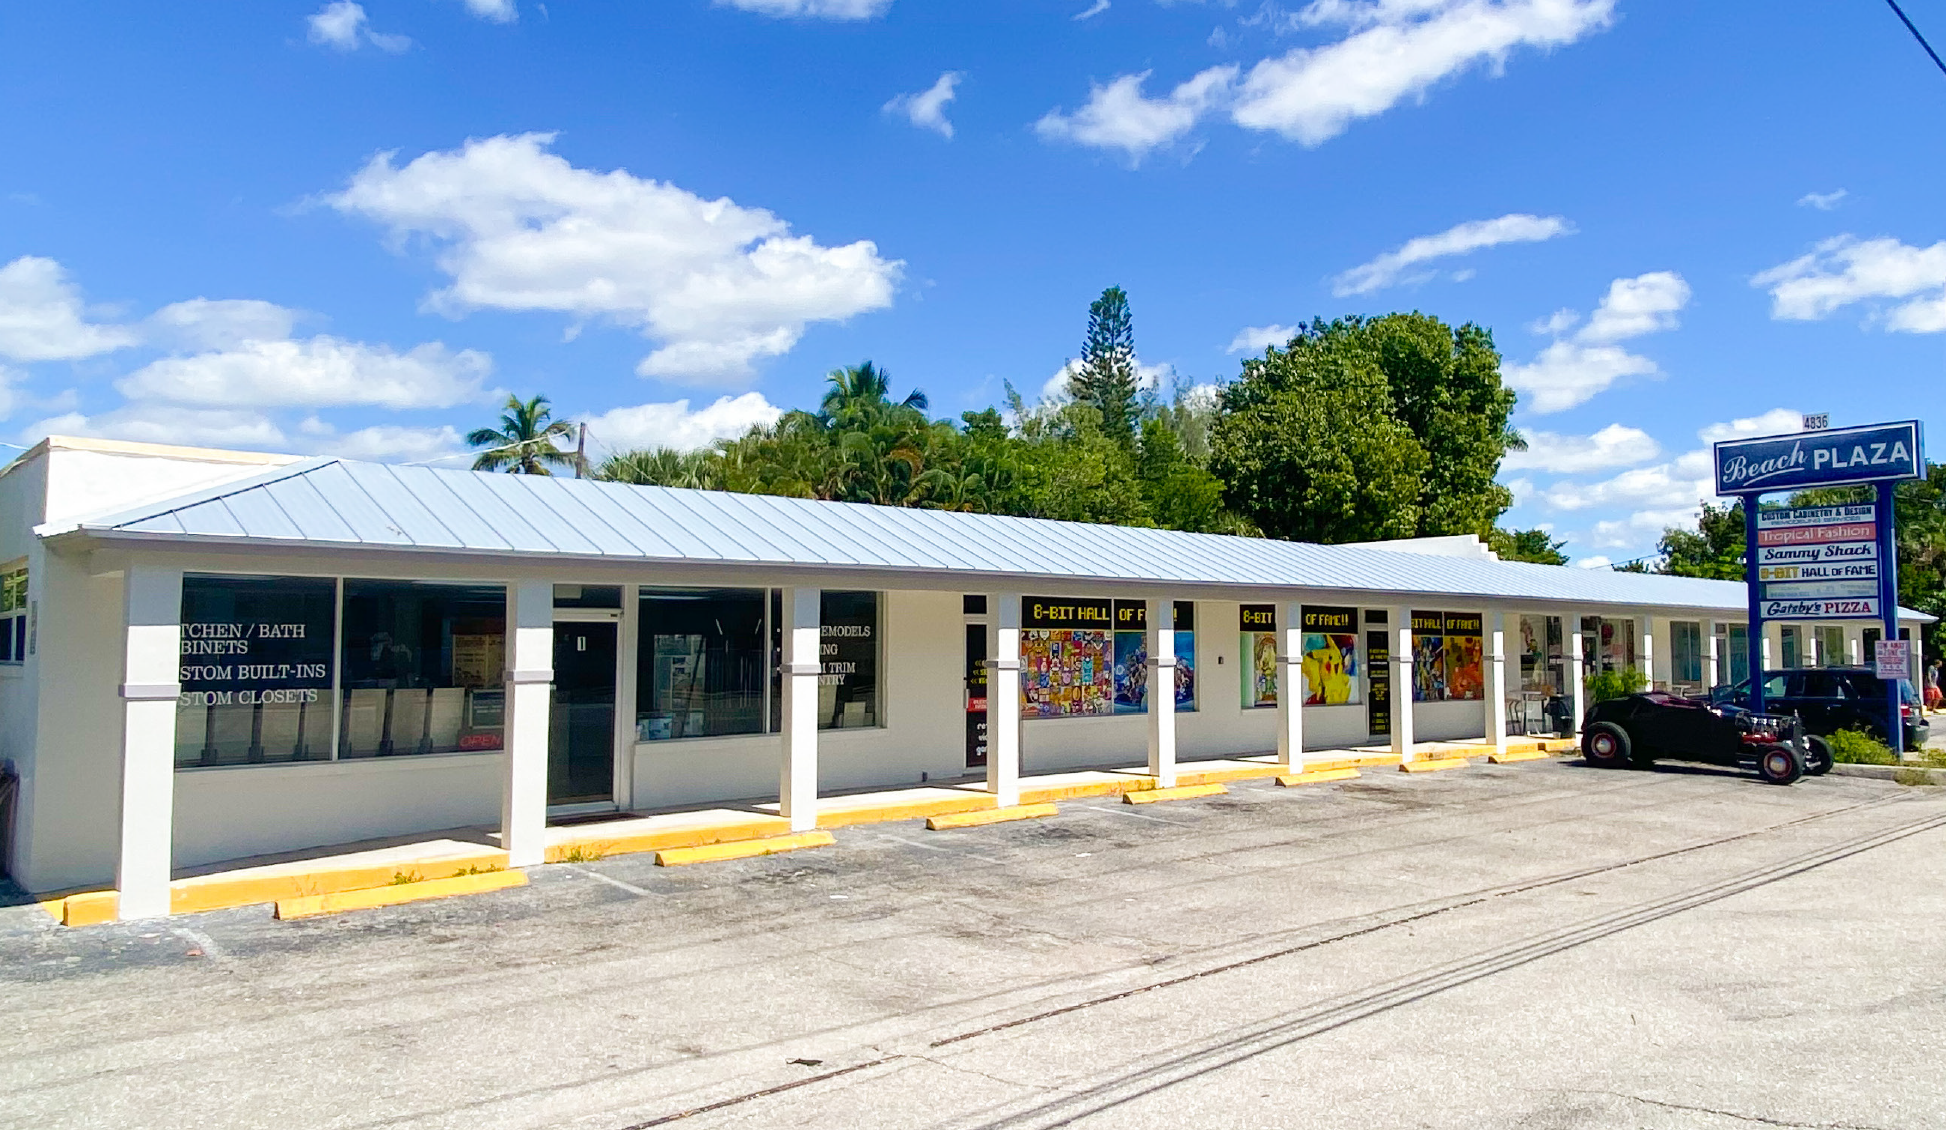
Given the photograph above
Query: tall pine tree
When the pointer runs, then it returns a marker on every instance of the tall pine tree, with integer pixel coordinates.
(1106, 379)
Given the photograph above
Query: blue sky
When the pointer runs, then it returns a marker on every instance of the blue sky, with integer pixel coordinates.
(352, 228)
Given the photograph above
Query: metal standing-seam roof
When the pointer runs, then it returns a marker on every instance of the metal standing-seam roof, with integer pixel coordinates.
(339, 503)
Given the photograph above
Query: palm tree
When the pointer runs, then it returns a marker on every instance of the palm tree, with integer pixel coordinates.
(523, 444)
(863, 390)
(661, 467)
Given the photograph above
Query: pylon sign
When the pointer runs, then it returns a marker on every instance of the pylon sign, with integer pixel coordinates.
(1820, 563)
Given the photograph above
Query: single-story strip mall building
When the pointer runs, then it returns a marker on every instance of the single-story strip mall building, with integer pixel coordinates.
(211, 655)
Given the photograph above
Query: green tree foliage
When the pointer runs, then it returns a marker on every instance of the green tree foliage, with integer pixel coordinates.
(1367, 428)
(524, 443)
(1105, 380)
(662, 467)
(1527, 545)
(1714, 549)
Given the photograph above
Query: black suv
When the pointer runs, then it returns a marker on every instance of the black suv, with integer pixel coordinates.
(1829, 699)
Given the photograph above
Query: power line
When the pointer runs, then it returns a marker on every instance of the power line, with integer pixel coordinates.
(1909, 26)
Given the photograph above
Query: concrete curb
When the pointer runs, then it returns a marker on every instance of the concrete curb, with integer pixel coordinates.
(308, 906)
(980, 819)
(1903, 774)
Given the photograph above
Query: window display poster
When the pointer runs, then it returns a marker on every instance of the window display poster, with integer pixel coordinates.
(1446, 654)
(1465, 676)
(1330, 657)
(1067, 673)
(1378, 706)
(1259, 625)
(1132, 671)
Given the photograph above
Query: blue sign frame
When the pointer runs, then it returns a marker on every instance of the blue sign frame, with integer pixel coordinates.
(1874, 453)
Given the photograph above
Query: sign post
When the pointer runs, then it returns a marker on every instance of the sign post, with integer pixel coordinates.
(1829, 562)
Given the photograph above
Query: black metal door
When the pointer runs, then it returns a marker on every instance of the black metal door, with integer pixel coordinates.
(581, 731)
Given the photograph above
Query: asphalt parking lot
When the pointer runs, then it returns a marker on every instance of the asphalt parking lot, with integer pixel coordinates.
(1536, 946)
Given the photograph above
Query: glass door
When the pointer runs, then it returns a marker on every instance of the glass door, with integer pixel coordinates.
(581, 730)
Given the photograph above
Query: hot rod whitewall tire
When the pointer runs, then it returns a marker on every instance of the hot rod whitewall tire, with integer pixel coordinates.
(1779, 764)
(1817, 760)
(1606, 745)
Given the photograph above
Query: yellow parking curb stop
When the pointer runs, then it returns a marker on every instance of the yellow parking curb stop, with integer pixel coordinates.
(945, 821)
(1180, 792)
(742, 849)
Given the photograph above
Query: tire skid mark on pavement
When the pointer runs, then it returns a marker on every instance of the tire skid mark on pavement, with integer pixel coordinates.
(1422, 985)
(1152, 1077)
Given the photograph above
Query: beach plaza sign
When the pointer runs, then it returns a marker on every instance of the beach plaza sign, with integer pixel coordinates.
(1821, 562)
(1875, 453)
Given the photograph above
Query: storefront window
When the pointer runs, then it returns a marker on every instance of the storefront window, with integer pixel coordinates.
(1258, 625)
(1793, 648)
(1332, 664)
(424, 668)
(13, 615)
(1830, 641)
(1543, 663)
(1607, 645)
(1446, 650)
(255, 670)
(1732, 653)
(1686, 651)
(1132, 655)
(1067, 657)
(848, 683)
(701, 663)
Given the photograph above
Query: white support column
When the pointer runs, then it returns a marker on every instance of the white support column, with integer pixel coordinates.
(1577, 670)
(1645, 641)
(1711, 657)
(1161, 616)
(1003, 699)
(530, 695)
(1496, 680)
(1290, 686)
(151, 663)
(1402, 743)
(797, 790)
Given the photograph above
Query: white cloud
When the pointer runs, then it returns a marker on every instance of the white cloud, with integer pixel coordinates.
(1093, 10)
(814, 9)
(9, 394)
(1256, 339)
(1845, 270)
(1645, 304)
(1663, 485)
(1822, 201)
(1571, 371)
(716, 285)
(41, 316)
(1612, 446)
(673, 424)
(1396, 49)
(1460, 239)
(318, 371)
(203, 323)
(1147, 377)
(498, 11)
(1595, 562)
(169, 423)
(927, 109)
(383, 442)
(342, 25)
(1119, 116)
(1777, 421)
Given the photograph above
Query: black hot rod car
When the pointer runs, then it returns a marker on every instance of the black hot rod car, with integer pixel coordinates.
(1640, 728)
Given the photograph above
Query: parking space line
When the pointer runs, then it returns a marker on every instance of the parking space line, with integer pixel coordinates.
(631, 888)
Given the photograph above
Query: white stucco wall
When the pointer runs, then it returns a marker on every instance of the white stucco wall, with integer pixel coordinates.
(229, 813)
